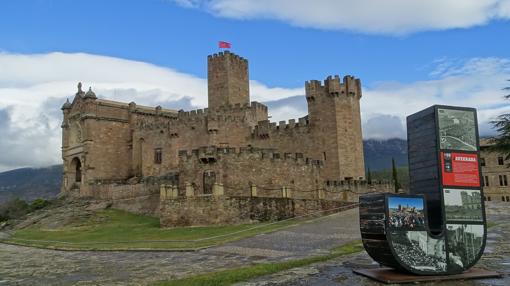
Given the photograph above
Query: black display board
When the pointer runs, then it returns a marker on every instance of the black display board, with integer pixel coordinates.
(439, 228)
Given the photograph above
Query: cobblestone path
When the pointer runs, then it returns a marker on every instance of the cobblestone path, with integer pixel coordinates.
(32, 266)
(338, 271)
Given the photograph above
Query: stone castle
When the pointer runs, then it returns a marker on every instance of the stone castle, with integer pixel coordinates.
(114, 150)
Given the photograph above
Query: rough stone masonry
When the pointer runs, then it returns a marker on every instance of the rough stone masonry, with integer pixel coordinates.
(133, 155)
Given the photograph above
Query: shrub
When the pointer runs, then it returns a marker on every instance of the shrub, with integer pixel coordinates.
(17, 208)
(39, 204)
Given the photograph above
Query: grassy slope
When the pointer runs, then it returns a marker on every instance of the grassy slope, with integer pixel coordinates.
(231, 276)
(114, 229)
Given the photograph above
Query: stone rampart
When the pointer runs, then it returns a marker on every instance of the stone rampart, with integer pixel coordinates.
(142, 198)
(218, 210)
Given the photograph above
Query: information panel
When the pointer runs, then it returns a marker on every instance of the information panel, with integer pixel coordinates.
(460, 169)
(439, 228)
(457, 129)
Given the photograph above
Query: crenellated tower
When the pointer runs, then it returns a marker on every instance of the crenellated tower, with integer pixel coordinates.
(228, 80)
(335, 121)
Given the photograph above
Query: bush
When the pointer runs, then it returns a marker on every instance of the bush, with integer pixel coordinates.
(17, 208)
(39, 204)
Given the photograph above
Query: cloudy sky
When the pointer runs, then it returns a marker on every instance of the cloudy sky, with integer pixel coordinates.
(408, 54)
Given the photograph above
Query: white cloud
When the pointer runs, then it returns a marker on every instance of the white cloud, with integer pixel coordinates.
(263, 93)
(476, 82)
(383, 126)
(33, 88)
(368, 16)
(188, 3)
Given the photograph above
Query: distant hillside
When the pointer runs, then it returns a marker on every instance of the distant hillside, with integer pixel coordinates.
(30, 183)
(378, 153)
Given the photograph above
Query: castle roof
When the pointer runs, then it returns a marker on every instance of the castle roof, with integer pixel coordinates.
(142, 108)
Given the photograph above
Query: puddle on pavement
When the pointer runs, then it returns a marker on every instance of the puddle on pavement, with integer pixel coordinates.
(493, 235)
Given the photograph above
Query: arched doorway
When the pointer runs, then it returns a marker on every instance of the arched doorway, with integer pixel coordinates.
(76, 169)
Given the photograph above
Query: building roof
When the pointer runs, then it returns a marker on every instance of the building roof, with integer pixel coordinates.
(486, 142)
(139, 107)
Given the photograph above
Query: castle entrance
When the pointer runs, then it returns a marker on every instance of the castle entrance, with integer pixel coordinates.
(76, 168)
(209, 181)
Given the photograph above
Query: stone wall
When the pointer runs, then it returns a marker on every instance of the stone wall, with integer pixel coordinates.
(494, 174)
(239, 171)
(181, 207)
(225, 126)
(220, 210)
(142, 198)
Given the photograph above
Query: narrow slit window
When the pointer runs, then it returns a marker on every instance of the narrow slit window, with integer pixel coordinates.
(158, 156)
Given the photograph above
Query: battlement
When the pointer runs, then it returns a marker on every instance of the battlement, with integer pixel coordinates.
(258, 105)
(227, 54)
(197, 114)
(212, 154)
(282, 124)
(332, 86)
(229, 108)
(263, 128)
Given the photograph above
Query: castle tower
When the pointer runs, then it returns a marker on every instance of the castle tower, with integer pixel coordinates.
(227, 78)
(335, 120)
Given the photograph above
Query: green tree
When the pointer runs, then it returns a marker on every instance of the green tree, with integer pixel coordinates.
(369, 176)
(394, 173)
(502, 126)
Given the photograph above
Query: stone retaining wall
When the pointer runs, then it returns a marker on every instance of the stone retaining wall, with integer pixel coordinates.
(220, 210)
(141, 198)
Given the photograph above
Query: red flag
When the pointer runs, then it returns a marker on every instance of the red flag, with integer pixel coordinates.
(224, 45)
